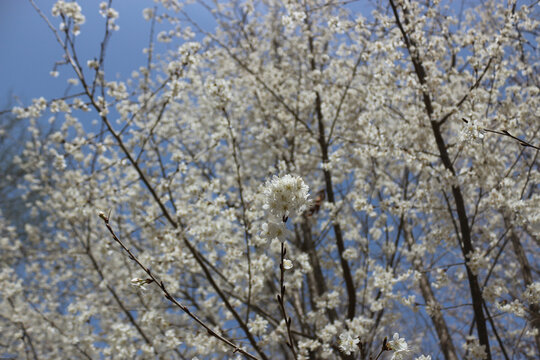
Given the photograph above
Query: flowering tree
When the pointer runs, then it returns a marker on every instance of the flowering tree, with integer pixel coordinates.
(306, 181)
(13, 136)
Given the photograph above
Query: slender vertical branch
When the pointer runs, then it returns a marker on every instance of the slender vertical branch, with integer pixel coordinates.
(323, 143)
(281, 301)
(443, 332)
(245, 221)
(25, 335)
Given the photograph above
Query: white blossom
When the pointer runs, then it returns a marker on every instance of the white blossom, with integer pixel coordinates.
(71, 10)
(474, 350)
(286, 196)
(350, 254)
(258, 325)
(139, 282)
(287, 264)
(532, 293)
(472, 131)
(348, 343)
(399, 347)
(59, 162)
(148, 13)
(92, 64)
(274, 230)
(477, 260)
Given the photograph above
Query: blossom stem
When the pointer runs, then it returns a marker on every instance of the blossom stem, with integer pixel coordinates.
(281, 301)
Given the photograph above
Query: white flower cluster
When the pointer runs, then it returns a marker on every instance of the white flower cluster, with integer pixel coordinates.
(472, 131)
(110, 14)
(188, 51)
(219, 89)
(287, 264)
(532, 294)
(137, 282)
(477, 260)
(474, 349)
(117, 90)
(491, 292)
(350, 254)
(335, 25)
(258, 325)
(59, 162)
(92, 64)
(286, 195)
(399, 346)
(441, 278)
(69, 10)
(515, 307)
(283, 197)
(347, 343)
(274, 230)
(59, 105)
(148, 14)
(292, 21)
(33, 111)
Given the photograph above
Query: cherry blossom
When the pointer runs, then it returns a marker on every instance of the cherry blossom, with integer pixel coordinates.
(412, 126)
(399, 347)
(347, 343)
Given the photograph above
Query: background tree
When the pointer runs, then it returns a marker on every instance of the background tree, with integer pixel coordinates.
(414, 127)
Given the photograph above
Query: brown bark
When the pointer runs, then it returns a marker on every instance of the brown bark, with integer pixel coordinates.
(465, 231)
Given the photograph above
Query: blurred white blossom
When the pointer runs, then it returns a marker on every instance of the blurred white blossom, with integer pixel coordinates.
(69, 9)
(287, 264)
(399, 346)
(274, 230)
(472, 131)
(348, 343)
(474, 350)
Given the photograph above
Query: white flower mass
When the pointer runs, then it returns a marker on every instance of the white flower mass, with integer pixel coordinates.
(399, 347)
(348, 343)
(415, 124)
(286, 196)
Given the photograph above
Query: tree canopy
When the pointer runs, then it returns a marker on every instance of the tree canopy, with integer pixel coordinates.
(309, 180)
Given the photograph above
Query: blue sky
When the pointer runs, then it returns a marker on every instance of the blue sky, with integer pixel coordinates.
(29, 49)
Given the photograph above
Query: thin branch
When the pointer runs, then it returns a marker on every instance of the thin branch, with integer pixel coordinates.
(473, 86)
(523, 143)
(168, 296)
(245, 221)
(499, 340)
(280, 299)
